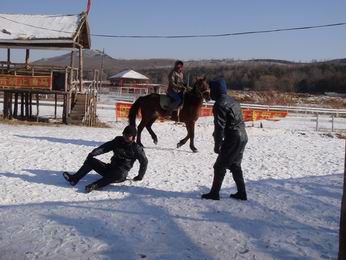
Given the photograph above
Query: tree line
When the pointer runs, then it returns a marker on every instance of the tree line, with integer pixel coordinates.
(311, 78)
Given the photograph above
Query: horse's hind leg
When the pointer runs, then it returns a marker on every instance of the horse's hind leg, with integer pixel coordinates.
(139, 132)
(183, 141)
(150, 130)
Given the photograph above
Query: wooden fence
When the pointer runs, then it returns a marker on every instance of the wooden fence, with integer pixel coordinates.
(122, 109)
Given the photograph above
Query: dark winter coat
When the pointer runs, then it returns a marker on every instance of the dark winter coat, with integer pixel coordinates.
(229, 134)
(124, 155)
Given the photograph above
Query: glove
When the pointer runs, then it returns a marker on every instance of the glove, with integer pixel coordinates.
(137, 178)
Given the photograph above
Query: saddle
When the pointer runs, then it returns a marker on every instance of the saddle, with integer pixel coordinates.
(168, 105)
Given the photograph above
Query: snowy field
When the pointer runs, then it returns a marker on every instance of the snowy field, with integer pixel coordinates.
(293, 176)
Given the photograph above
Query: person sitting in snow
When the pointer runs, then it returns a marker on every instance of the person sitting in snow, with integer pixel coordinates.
(125, 153)
(230, 139)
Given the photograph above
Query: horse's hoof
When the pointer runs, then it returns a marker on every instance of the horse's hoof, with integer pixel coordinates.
(194, 149)
(179, 145)
(155, 142)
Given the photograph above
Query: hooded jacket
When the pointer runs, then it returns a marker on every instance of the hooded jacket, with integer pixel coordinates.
(227, 112)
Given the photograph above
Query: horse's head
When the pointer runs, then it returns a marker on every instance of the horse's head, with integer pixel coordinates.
(201, 86)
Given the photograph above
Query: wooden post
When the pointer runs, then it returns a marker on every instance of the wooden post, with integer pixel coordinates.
(30, 104)
(316, 121)
(27, 105)
(15, 112)
(80, 68)
(37, 106)
(8, 59)
(5, 104)
(342, 232)
(66, 79)
(56, 104)
(10, 105)
(72, 67)
(332, 123)
(64, 112)
(22, 105)
(27, 57)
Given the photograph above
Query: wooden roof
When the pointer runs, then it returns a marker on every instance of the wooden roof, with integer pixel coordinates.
(44, 31)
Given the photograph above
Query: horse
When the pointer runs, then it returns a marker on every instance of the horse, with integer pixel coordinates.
(151, 110)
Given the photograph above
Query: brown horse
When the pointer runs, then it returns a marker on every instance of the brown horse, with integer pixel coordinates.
(151, 110)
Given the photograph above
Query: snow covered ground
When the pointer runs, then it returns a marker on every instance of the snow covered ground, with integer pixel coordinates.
(293, 176)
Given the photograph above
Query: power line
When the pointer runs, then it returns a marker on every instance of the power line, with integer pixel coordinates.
(190, 36)
(219, 35)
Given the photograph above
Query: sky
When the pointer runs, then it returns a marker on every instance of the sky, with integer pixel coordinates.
(154, 17)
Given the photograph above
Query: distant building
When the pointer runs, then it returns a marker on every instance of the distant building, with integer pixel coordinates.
(130, 82)
(129, 78)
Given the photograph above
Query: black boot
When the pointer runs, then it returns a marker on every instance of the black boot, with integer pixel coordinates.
(238, 196)
(239, 181)
(91, 187)
(69, 178)
(215, 188)
(84, 170)
(211, 196)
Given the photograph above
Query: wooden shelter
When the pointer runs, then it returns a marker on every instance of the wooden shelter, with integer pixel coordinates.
(132, 82)
(23, 82)
(128, 78)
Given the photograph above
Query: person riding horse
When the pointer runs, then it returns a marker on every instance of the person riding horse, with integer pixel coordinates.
(153, 106)
(176, 85)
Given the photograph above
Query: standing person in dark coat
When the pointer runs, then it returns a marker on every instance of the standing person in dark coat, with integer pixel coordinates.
(230, 139)
(125, 153)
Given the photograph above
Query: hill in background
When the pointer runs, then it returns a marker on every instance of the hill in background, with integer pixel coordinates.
(256, 74)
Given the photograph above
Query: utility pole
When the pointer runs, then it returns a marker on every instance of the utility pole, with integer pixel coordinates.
(101, 70)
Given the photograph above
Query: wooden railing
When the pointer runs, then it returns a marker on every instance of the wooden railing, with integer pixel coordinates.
(91, 100)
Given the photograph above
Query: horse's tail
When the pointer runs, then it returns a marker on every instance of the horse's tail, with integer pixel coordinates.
(134, 110)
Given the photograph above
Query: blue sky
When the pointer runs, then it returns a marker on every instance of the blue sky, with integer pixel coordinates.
(160, 17)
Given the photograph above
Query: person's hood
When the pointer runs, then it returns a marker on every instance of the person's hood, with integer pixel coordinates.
(217, 88)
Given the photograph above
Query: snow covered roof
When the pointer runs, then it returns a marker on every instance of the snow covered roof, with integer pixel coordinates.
(129, 74)
(44, 31)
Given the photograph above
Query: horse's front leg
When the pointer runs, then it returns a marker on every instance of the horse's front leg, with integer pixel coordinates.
(191, 130)
(139, 132)
(190, 127)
